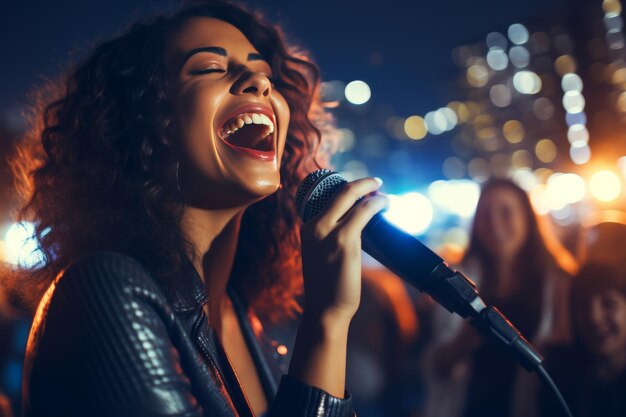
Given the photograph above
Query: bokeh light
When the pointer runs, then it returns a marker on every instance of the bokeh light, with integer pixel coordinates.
(527, 82)
(621, 164)
(573, 101)
(619, 76)
(521, 159)
(477, 75)
(518, 34)
(605, 185)
(519, 56)
(497, 59)
(576, 118)
(621, 102)
(415, 127)
(450, 116)
(478, 169)
(458, 197)
(578, 134)
(571, 82)
(612, 7)
(580, 153)
(496, 40)
(411, 212)
(436, 122)
(500, 95)
(567, 188)
(346, 139)
(546, 151)
(538, 199)
(358, 92)
(461, 110)
(565, 64)
(525, 178)
(21, 247)
(513, 131)
(454, 167)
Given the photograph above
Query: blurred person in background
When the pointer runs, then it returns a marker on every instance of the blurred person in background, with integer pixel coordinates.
(591, 372)
(526, 274)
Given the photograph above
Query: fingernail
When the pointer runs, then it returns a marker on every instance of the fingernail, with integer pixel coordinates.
(378, 180)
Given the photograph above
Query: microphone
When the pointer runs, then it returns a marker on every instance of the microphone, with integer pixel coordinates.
(415, 263)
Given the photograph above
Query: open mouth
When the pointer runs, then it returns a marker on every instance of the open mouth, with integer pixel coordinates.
(251, 133)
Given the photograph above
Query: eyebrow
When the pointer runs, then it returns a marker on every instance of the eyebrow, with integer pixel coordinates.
(252, 56)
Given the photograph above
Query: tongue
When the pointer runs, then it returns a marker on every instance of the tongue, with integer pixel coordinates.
(251, 136)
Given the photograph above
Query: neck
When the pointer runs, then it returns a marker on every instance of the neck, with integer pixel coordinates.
(213, 234)
(504, 267)
(504, 274)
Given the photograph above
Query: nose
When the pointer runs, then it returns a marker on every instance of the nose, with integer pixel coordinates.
(253, 83)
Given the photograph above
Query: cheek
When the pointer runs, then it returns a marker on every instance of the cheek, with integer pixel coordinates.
(618, 318)
(195, 115)
(520, 229)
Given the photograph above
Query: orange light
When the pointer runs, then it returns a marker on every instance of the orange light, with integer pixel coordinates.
(605, 185)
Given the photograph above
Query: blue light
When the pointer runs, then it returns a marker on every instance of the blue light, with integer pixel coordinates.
(22, 248)
(411, 212)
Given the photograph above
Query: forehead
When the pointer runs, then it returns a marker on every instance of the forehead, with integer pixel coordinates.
(502, 195)
(198, 32)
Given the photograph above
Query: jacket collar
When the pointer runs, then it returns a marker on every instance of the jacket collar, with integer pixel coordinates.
(187, 293)
(185, 288)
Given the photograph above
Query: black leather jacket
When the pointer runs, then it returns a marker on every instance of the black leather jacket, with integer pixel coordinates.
(108, 340)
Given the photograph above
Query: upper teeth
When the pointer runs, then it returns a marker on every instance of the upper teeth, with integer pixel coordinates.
(247, 119)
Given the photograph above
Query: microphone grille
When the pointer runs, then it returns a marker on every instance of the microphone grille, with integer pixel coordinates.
(315, 192)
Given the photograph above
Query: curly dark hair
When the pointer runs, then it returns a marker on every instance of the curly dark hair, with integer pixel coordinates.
(96, 170)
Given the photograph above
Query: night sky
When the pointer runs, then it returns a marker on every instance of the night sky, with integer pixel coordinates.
(401, 48)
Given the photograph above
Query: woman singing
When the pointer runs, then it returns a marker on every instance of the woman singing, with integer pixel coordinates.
(161, 182)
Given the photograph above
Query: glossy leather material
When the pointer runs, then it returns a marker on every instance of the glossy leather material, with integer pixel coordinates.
(108, 340)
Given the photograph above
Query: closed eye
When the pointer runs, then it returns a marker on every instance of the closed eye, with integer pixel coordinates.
(206, 71)
(210, 70)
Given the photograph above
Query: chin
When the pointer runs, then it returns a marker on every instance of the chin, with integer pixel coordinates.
(258, 189)
(264, 192)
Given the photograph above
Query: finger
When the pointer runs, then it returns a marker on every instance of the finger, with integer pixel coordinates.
(346, 198)
(359, 216)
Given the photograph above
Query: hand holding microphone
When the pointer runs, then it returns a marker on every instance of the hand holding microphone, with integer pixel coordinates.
(412, 261)
(336, 215)
(331, 250)
(331, 262)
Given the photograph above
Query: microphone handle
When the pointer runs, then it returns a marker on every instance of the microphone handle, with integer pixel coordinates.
(388, 244)
(415, 263)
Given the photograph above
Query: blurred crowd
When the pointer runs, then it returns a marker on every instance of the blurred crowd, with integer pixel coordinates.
(408, 356)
